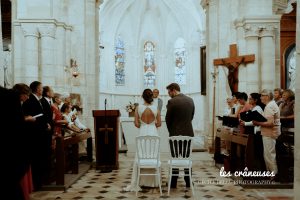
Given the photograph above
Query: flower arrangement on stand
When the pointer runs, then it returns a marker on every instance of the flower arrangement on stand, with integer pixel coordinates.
(130, 108)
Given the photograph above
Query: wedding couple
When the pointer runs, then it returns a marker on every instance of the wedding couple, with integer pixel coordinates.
(179, 116)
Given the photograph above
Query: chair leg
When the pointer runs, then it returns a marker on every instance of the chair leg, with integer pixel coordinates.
(137, 181)
(170, 177)
(191, 182)
(159, 181)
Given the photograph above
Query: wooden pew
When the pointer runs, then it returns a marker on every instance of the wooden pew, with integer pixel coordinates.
(62, 143)
(285, 151)
(250, 157)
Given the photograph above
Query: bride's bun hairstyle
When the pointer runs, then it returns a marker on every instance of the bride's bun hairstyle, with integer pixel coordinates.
(148, 95)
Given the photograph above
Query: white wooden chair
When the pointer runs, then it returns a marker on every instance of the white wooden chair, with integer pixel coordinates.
(180, 151)
(148, 156)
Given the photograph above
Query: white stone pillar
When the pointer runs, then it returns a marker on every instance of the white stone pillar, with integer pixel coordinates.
(31, 67)
(67, 74)
(211, 8)
(48, 65)
(252, 78)
(267, 57)
(91, 51)
(60, 55)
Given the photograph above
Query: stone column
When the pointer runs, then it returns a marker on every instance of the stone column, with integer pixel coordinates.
(31, 67)
(60, 55)
(67, 75)
(252, 79)
(90, 59)
(211, 8)
(267, 57)
(48, 65)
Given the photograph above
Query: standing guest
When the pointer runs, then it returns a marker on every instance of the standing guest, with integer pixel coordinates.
(244, 105)
(46, 102)
(179, 116)
(236, 103)
(288, 105)
(270, 130)
(287, 108)
(257, 105)
(230, 108)
(40, 140)
(58, 118)
(278, 96)
(12, 121)
(156, 100)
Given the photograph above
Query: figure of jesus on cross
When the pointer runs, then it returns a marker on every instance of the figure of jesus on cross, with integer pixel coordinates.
(232, 63)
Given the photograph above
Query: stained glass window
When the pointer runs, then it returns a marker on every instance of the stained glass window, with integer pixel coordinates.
(119, 62)
(180, 61)
(149, 64)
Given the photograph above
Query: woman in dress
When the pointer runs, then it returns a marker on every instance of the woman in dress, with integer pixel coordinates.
(147, 119)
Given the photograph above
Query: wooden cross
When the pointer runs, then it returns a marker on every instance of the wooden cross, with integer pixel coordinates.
(106, 130)
(232, 63)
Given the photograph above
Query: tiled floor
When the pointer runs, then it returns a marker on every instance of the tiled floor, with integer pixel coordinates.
(208, 185)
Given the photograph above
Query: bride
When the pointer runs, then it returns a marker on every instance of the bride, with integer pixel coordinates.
(147, 119)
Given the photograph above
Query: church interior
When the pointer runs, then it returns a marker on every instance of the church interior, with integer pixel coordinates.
(74, 73)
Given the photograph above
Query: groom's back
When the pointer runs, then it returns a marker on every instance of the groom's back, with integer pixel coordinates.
(179, 116)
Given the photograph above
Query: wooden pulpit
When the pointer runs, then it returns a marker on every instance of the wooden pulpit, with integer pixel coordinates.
(106, 124)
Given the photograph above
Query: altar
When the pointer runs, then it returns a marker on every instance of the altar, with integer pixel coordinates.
(130, 132)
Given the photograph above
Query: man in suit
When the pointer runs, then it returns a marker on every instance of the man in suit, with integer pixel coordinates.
(156, 100)
(39, 137)
(46, 102)
(180, 113)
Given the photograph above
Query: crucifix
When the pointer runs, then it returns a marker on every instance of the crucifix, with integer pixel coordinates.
(232, 63)
(105, 129)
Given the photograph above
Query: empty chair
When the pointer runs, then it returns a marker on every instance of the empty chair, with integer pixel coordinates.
(180, 151)
(148, 157)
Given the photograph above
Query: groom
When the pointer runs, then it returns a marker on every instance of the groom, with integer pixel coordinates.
(180, 113)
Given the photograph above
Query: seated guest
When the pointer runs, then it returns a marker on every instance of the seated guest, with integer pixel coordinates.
(270, 130)
(278, 96)
(74, 115)
(71, 127)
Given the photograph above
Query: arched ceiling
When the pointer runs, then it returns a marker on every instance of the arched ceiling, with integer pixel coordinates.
(187, 15)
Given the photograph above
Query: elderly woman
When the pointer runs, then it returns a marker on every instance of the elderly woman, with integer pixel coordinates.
(270, 130)
(287, 107)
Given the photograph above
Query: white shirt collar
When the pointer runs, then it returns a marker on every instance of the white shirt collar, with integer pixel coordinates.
(49, 100)
(38, 98)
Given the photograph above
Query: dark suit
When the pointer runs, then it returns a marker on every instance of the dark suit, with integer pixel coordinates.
(14, 146)
(39, 140)
(49, 118)
(180, 113)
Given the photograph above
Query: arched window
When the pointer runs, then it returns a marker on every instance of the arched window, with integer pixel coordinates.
(180, 60)
(149, 64)
(119, 62)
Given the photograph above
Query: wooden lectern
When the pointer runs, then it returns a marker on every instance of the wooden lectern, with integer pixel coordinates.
(106, 123)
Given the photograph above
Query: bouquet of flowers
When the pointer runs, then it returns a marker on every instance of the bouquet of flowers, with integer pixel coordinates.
(131, 107)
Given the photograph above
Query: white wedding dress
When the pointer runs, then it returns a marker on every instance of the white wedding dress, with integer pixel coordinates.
(145, 130)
